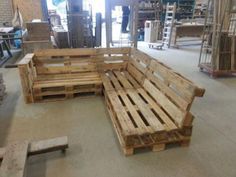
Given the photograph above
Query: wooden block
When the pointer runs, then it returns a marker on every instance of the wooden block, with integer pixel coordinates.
(14, 161)
(128, 151)
(43, 146)
(158, 147)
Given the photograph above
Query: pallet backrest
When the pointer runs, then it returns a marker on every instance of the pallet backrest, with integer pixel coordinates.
(65, 61)
(138, 65)
(171, 91)
(112, 58)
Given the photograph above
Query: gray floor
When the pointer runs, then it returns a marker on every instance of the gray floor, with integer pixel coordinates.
(94, 149)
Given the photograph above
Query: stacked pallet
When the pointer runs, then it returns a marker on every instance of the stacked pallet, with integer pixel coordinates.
(2, 89)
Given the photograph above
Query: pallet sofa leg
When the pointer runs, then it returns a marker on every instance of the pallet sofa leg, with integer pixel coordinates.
(158, 147)
(128, 151)
(185, 143)
(98, 89)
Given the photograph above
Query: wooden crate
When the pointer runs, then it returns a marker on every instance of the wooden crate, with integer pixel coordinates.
(118, 80)
(38, 31)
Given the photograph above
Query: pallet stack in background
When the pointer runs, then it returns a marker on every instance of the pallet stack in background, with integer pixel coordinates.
(2, 89)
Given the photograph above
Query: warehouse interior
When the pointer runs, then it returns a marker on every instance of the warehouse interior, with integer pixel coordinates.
(117, 88)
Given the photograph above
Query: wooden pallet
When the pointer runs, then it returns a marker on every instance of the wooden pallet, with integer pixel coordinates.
(118, 80)
(140, 123)
(60, 74)
(62, 87)
(14, 157)
(137, 119)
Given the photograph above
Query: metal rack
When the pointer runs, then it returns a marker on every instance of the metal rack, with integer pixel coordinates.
(218, 50)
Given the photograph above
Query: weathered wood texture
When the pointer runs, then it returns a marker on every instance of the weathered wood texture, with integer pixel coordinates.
(33, 46)
(14, 157)
(43, 146)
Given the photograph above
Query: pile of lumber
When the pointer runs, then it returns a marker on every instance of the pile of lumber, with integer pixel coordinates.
(2, 89)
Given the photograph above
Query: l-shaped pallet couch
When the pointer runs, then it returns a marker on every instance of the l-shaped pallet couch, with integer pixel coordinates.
(149, 104)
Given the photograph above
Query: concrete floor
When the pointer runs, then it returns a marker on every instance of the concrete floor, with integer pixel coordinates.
(94, 149)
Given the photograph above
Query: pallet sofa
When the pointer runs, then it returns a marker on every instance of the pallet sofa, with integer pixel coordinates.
(149, 104)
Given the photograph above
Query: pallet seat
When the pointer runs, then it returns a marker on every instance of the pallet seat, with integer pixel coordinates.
(156, 112)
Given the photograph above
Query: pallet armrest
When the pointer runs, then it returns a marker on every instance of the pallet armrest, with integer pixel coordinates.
(26, 60)
(25, 67)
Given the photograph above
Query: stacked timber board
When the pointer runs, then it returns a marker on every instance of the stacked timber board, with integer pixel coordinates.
(2, 89)
(149, 104)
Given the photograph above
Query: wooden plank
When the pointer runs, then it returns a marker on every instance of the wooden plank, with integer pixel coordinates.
(183, 86)
(43, 146)
(48, 84)
(147, 113)
(14, 161)
(142, 128)
(65, 52)
(181, 102)
(132, 80)
(106, 82)
(26, 60)
(123, 50)
(123, 80)
(139, 66)
(135, 73)
(138, 55)
(66, 69)
(88, 75)
(169, 125)
(50, 145)
(124, 120)
(115, 81)
(176, 114)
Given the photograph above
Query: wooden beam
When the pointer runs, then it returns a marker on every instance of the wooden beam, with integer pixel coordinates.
(43, 146)
(14, 162)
